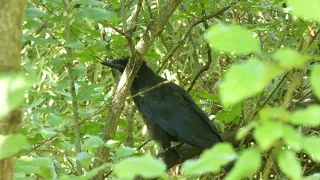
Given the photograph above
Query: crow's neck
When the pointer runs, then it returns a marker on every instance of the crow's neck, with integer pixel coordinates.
(145, 79)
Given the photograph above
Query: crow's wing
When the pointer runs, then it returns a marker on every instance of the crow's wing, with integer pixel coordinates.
(174, 111)
(191, 102)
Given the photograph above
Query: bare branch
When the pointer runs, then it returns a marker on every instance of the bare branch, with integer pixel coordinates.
(181, 42)
(154, 29)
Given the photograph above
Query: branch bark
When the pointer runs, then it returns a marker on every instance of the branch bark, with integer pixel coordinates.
(154, 29)
(181, 42)
(11, 19)
(75, 106)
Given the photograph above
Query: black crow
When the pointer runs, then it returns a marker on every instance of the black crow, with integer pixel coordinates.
(168, 110)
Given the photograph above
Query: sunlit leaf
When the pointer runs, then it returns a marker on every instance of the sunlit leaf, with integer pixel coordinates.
(311, 146)
(315, 176)
(11, 144)
(242, 132)
(228, 115)
(211, 160)
(273, 113)
(76, 45)
(123, 151)
(267, 133)
(93, 141)
(315, 82)
(289, 164)
(84, 158)
(211, 97)
(41, 166)
(32, 12)
(246, 165)
(91, 174)
(288, 58)
(245, 80)
(232, 39)
(54, 120)
(13, 88)
(89, 92)
(292, 138)
(97, 14)
(309, 10)
(145, 166)
(309, 116)
(89, 2)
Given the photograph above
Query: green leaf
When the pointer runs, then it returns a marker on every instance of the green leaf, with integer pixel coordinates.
(42, 41)
(41, 166)
(273, 113)
(292, 138)
(97, 14)
(89, 2)
(32, 24)
(35, 104)
(91, 174)
(315, 83)
(48, 132)
(267, 133)
(253, 75)
(288, 58)
(115, 3)
(84, 158)
(123, 151)
(309, 10)
(13, 88)
(76, 45)
(229, 115)
(311, 146)
(309, 116)
(11, 144)
(312, 177)
(232, 39)
(93, 141)
(89, 92)
(79, 72)
(242, 132)
(146, 166)
(246, 165)
(211, 160)
(32, 12)
(289, 164)
(211, 97)
(54, 120)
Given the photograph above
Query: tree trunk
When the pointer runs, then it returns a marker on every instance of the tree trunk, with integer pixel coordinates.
(11, 18)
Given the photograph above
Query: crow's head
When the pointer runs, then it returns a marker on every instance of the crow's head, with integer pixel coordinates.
(119, 64)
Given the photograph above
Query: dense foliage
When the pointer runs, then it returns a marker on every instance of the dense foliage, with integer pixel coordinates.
(251, 65)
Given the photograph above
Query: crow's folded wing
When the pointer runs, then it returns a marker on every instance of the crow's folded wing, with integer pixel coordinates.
(174, 111)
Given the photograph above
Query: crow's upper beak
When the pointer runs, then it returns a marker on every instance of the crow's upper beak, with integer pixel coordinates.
(114, 64)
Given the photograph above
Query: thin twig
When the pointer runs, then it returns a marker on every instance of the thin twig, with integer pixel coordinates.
(135, 17)
(269, 162)
(181, 42)
(209, 52)
(75, 107)
(259, 106)
(143, 144)
(120, 31)
(299, 100)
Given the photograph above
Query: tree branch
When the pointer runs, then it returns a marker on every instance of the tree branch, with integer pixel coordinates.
(209, 51)
(181, 42)
(73, 89)
(154, 29)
